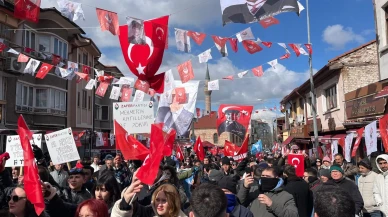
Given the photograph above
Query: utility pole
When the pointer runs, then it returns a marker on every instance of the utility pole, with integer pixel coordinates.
(312, 93)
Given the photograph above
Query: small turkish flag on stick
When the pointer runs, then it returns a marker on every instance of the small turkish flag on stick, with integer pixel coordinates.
(297, 160)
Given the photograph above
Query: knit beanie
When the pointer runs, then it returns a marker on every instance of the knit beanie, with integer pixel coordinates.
(229, 183)
(337, 168)
(215, 175)
(365, 163)
(225, 161)
(326, 159)
(325, 173)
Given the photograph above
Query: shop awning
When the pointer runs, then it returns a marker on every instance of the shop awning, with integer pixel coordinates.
(382, 93)
(288, 140)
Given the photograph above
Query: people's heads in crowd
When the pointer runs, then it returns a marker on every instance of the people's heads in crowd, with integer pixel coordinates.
(166, 200)
(339, 159)
(58, 167)
(269, 179)
(270, 161)
(206, 160)
(332, 201)
(382, 162)
(92, 207)
(324, 175)
(336, 172)
(364, 166)
(318, 162)
(197, 163)
(88, 171)
(228, 184)
(289, 171)
(215, 176)
(258, 169)
(326, 161)
(18, 203)
(234, 165)
(76, 178)
(109, 161)
(225, 163)
(117, 161)
(106, 188)
(208, 200)
(310, 175)
(96, 159)
(15, 172)
(171, 175)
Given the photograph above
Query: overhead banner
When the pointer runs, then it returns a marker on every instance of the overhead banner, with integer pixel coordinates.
(134, 117)
(61, 146)
(14, 148)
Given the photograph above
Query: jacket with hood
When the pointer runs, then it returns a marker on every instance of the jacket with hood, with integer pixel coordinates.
(380, 187)
(365, 185)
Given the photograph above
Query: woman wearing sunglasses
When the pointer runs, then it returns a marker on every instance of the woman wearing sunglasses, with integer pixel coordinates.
(19, 206)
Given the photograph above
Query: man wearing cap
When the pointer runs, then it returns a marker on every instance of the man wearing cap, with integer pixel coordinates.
(76, 193)
(365, 185)
(226, 168)
(380, 187)
(349, 169)
(339, 179)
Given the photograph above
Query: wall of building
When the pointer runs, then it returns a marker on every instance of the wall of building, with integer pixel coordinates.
(208, 135)
(382, 39)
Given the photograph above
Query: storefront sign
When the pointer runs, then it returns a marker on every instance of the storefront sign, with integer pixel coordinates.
(366, 106)
(299, 131)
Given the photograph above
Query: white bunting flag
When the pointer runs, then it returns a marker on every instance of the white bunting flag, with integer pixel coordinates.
(112, 139)
(348, 147)
(301, 49)
(125, 81)
(13, 51)
(241, 74)
(64, 72)
(169, 83)
(205, 56)
(213, 85)
(99, 73)
(182, 40)
(246, 34)
(115, 93)
(139, 96)
(301, 7)
(371, 137)
(71, 10)
(273, 63)
(334, 149)
(99, 139)
(90, 84)
(31, 66)
(283, 45)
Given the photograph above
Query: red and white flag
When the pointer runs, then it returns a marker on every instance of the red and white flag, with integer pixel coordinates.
(298, 49)
(101, 90)
(86, 69)
(297, 160)
(180, 95)
(44, 70)
(108, 21)
(83, 76)
(358, 141)
(205, 56)
(266, 43)
(229, 77)
(23, 58)
(213, 85)
(258, 71)
(126, 93)
(27, 10)
(233, 44)
(309, 48)
(220, 43)
(128, 145)
(198, 149)
(383, 126)
(251, 46)
(178, 153)
(286, 56)
(273, 63)
(142, 85)
(196, 36)
(185, 71)
(246, 34)
(268, 22)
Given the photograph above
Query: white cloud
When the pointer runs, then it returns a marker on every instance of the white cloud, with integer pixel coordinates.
(337, 36)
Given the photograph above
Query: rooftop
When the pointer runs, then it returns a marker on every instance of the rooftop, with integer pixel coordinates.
(207, 122)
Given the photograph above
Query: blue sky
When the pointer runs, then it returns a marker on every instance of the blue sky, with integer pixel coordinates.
(336, 27)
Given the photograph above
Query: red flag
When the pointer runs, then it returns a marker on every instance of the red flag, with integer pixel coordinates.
(285, 56)
(2, 46)
(169, 139)
(219, 40)
(101, 90)
(157, 83)
(180, 95)
(55, 59)
(86, 69)
(151, 92)
(126, 93)
(44, 70)
(32, 183)
(27, 10)
(128, 145)
(105, 78)
(233, 44)
(178, 153)
(383, 126)
(28, 50)
(77, 139)
(234, 119)
(108, 21)
(83, 76)
(268, 22)
(267, 44)
(358, 141)
(297, 160)
(148, 171)
(243, 150)
(186, 71)
(309, 48)
(295, 48)
(198, 149)
(105, 139)
(196, 36)
(23, 58)
(251, 46)
(142, 85)
(229, 148)
(229, 77)
(258, 71)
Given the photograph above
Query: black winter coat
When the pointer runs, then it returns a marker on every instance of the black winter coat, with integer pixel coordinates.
(302, 194)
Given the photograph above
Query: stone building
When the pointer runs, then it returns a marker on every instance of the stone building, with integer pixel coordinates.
(206, 128)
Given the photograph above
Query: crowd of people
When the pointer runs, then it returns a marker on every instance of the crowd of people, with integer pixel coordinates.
(214, 187)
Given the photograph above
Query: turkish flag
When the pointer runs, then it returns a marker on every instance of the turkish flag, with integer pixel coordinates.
(105, 78)
(86, 69)
(2, 46)
(157, 83)
(196, 36)
(234, 119)
(128, 145)
(295, 48)
(178, 153)
(23, 58)
(229, 77)
(268, 22)
(230, 148)
(180, 95)
(27, 10)
(142, 85)
(126, 93)
(44, 70)
(285, 56)
(108, 21)
(55, 59)
(32, 185)
(267, 44)
(144, 59)
(383, 126)
(83, 76)
(297, 160)
(309, 48)
(251, 46)
(185, 71)
(233, 44)
(358, 141)
(198, 149)
(258, 71)
(169, 139)
(148, 171)
(101, 90)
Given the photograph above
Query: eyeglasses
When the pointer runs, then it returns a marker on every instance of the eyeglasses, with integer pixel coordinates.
(14, 198)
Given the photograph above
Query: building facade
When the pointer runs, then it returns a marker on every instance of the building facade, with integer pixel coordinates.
(381, 24)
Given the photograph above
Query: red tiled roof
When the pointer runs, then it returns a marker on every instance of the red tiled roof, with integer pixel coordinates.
(207, 122)
(353, 50)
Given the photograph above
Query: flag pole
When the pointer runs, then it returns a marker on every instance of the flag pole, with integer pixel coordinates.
(312, 94)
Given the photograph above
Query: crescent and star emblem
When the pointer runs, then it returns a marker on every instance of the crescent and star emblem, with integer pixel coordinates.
(148, 42)
(185, 70)
(44, 68)
(160, 29)
(146, 160)
(297, 159)
(134, 145)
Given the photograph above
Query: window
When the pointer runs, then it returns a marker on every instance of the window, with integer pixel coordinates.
(215, 138)
(97, 112)
(41, 96)
(5, 33)
(44, 43)
(85, 58)
(331, 97)
(78, 99)
(301, 104)
(89, 102)
(24, 95)
(30, 39)
(60, 48)
(84, 98)
(58, 99)
(104, 113)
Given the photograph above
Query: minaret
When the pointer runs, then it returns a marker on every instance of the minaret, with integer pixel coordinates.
(207, 92)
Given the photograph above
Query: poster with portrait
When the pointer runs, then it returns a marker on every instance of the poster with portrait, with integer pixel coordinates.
(135, 31)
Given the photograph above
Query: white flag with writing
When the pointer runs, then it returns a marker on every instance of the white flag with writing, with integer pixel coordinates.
(334, 149)
(99, 139)
(273, 63)
(169, 83)
(371, 138)
(348, 147)
(90, 84)
(241, 74)
(246, 34)
(213, 85)
(205, 56)
(139, 96)
(115, 93)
